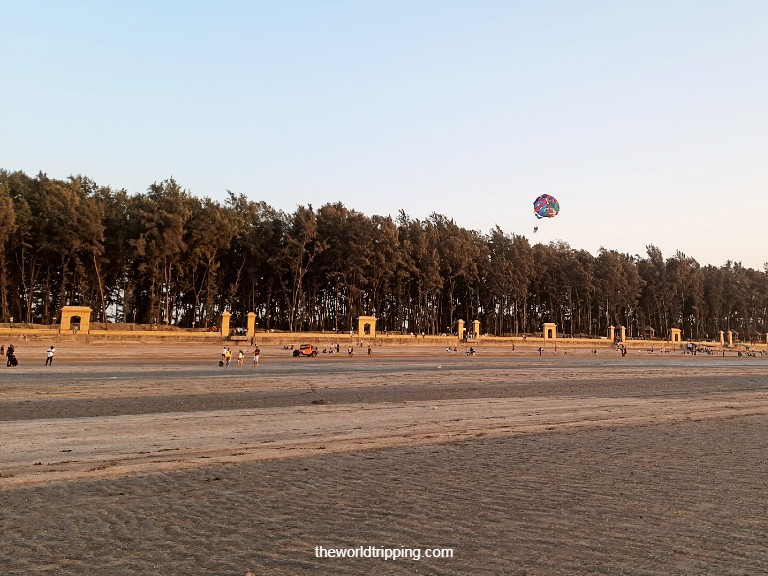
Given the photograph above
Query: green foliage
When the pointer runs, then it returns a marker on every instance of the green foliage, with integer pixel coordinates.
(170, 257)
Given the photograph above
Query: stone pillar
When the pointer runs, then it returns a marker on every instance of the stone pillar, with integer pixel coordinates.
(225, 324)
(623, 333)
(251, 324)
(476, 328)
(550, 331)
(674, 335)
(730, 339)
(722, 340)
(611, 334)
(461, 330)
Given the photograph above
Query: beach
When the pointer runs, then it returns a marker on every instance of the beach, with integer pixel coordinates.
(127, 458)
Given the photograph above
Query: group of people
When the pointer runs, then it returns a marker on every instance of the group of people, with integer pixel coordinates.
(10, 355)
(11, 360)
(468, 351)
(663, 350)
(226, 356)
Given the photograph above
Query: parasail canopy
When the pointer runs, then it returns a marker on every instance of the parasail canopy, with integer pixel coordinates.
(546, 206)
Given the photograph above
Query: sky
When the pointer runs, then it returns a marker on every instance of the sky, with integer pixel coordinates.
(648, 121)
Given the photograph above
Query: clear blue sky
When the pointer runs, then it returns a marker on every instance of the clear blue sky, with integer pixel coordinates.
(647, 120)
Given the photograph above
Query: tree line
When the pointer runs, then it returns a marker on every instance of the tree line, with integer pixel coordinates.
(167, 257)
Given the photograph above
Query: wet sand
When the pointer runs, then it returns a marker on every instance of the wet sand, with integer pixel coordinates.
(133, 459)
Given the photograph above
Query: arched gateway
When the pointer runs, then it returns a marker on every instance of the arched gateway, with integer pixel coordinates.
(366, 326)
(83, 313)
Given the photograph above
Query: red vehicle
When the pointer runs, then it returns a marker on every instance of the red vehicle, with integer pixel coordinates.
(305, 350)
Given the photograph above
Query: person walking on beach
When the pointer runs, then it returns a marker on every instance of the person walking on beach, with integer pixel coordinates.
(240, 358)
(9, 354)
(256, 354)
(227, 356)
(49, 356)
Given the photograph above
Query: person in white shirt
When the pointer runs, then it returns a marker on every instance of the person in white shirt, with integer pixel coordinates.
(49, 357)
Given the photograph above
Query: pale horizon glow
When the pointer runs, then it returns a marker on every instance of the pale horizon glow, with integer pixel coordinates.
(647, 121)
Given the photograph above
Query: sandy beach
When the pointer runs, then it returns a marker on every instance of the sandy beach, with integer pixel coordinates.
(150, 459)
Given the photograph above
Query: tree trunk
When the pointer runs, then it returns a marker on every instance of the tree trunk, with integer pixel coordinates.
(101, 290)
(3, 286)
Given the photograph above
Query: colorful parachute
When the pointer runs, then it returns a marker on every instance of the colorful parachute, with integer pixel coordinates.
(546, 206)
